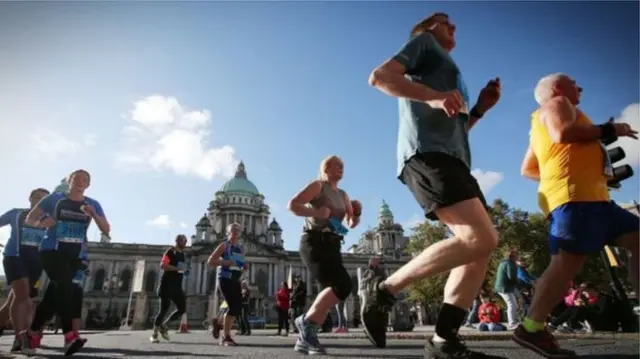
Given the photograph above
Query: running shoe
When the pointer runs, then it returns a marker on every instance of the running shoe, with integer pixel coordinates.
(307, 342)
(28, 343)
(541, 342)
(154, 338)
(374, 310)
(16, 346)
(226, 341)
(164, 332)
(72, 343)
(455, 349)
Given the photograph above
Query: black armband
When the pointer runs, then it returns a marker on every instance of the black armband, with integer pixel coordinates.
(357, 214)
(608, 132)
(475, 113)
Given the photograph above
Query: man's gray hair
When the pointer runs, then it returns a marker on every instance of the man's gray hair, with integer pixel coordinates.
(544, 89)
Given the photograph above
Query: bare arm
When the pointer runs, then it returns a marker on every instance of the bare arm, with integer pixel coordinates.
(559, 117)
(33, 218)
(530, 168)
(102, 224)
(389, 78)
(214, 259)
(352, 220)
(298, 204)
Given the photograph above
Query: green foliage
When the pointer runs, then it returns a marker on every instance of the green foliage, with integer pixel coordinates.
(525, 232)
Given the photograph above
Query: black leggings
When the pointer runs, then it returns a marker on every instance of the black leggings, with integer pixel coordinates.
(320, 252)
(283, 320)
(59, 297)
(178, 298)
(232, 292)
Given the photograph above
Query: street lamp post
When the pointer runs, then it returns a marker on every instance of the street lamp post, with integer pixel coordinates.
(111, 287)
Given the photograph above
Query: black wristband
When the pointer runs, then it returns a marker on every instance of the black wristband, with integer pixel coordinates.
(608, 132)
(475, 113)
(357, 214)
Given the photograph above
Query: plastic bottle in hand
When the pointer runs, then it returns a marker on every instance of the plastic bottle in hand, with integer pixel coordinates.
(337, 226)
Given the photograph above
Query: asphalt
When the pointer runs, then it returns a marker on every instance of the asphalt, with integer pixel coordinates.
(199, 344)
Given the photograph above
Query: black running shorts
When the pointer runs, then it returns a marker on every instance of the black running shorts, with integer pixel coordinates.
(438, 180)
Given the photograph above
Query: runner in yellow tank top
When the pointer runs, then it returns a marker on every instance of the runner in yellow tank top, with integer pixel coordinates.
(565, 155)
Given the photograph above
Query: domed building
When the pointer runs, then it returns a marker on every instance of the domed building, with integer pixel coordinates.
(113, 274)
(386, 238)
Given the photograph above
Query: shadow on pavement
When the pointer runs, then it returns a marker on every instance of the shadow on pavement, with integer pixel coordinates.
(133, 353)
(609, 356)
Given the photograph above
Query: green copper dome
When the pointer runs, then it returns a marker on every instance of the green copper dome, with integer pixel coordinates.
(384, 210)
(239, 183)
(63, 187)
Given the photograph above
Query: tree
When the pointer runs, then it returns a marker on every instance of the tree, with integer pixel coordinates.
(525, 232)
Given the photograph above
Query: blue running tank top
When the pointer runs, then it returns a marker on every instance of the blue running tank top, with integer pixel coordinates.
(234, 253)
(24, 240)
(70, 231)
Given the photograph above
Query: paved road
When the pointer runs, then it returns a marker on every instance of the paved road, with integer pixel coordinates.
(200, 345)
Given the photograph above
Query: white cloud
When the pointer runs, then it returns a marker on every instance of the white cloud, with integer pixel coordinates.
(90, 139)
(162, 221)
(50, 145)
(630, 115)
(183, 225)
(487, 179)
(164, 136)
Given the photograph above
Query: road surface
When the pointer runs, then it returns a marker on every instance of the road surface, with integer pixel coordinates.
(199, 344)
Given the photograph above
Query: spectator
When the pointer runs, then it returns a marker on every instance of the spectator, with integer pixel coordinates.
(526, 283)
(243, 319)
(472, 318)
(505, 286)
(282, 305)
(489, 315)
(298, 298)
(581, 309)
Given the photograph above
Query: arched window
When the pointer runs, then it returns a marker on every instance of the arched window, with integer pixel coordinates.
(354, 284)
(150, 281)
(125, 280)
(98, 279)
(262, 280)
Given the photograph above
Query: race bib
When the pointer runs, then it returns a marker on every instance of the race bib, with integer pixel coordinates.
(462, 87)
(71, 232)
(31, 237)
(182, 266)
(338, 227)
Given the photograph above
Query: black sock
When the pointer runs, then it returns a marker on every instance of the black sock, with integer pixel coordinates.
(449, 321)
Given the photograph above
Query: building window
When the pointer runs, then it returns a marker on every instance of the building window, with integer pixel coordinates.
(150, 281)
(125, 280)
(98, 280)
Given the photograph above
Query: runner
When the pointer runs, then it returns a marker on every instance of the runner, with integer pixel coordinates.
(173, 267)
(566, 156)
(68, 218)
(218, 321)
(434, 163)
(229, 256)
(22, 265)
(325, 207)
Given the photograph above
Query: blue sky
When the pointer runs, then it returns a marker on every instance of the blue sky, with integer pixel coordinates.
(279, 85)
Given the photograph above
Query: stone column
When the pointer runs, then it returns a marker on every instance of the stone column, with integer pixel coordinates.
(140, 311)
